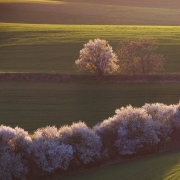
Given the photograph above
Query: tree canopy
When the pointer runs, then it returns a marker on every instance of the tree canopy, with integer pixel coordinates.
(97, 57)
(137, 56)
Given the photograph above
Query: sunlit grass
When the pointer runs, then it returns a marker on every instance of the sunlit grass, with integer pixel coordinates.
(32, 34)
(54, 48)
(33, 1)
(173, 173)
(156, 167)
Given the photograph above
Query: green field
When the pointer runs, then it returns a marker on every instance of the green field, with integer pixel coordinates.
(54, 48)
(49, 40)
(35, 105)
(45, 36)
(164, 166)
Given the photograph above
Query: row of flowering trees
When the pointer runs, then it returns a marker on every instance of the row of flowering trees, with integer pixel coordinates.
(46, 150)
(130, 131)
(132, 57)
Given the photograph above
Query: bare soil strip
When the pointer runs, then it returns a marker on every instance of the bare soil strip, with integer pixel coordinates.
(66, 78)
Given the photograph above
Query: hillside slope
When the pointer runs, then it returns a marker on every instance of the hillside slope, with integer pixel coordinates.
(162, 12)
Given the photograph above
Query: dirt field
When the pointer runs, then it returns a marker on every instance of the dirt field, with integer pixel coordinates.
(162, 12)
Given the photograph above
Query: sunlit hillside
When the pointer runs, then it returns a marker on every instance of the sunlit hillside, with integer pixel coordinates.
(54, 48)
(162, 12)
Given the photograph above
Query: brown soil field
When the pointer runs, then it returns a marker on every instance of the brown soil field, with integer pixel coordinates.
(141, 12)
(136, 3)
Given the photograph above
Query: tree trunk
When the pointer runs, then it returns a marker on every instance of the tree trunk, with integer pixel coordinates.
(100, 73)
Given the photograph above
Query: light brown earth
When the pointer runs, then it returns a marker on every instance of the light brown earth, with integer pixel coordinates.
(141, 12)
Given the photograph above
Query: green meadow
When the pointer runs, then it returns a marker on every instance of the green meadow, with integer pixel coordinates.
(45, 36)
(34, 105)
(29, 45)
(48, 48)
(164, 166)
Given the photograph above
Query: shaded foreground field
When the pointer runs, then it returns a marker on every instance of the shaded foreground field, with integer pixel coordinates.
(142, 12)
(34, 105)
(54, 48)
(164, 166)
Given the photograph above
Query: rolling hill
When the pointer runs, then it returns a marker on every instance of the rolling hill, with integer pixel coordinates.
(116, 12)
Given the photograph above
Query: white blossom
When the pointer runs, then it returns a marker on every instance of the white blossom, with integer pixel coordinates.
(97, 57)
(86, 144)
(162, 116)
(136, 132)
(48, 154)
(49, 132)
(12, 167)
(13, 148)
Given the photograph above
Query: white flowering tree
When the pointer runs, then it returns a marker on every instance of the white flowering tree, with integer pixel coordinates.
(176, 119)
(162, 116)
(48, 153)
(86, 144)
(14, 151)
(128, 131)
(97, 57)
(136, 131)
(12, 166)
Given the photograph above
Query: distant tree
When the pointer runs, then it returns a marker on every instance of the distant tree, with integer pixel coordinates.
(97, 57)
(138, 56)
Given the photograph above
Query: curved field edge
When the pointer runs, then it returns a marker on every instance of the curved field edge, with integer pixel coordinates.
(154, 167)
(44, 48)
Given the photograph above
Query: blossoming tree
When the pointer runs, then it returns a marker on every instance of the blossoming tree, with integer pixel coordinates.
(97, 57)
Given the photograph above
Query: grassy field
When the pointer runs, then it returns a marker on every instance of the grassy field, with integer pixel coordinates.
(35, 105)
(164, 166)
(46, 36)
(38, 45)
(54, 48)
